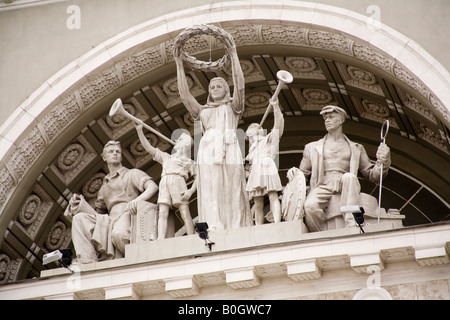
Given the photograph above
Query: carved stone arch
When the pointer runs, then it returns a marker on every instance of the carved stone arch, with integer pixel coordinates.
(84, 90)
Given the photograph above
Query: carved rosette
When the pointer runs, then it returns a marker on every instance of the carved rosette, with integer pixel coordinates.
(30, 210)
(92, 186)
(59, 237)
(73, 160)
(32, 214)
(414, 104)
(359, 78)
(249, 69)
(431, 136)
(167, 91)
(373, 111)
(313, 99)
(137, 155)
(300, 67)
(10, 263)
(5, 266)
(256, 103)
(185, 121)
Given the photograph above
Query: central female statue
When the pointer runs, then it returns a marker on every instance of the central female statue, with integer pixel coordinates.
(221, 196)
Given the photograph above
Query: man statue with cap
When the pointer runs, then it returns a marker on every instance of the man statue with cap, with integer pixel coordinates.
(331, 164)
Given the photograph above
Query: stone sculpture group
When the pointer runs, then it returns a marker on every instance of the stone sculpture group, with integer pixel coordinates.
(225, 187)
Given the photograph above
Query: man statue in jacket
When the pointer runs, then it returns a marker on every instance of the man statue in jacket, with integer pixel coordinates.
(331, 164)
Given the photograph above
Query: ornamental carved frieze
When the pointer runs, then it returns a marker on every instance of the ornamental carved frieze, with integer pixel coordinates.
(100, 84)
(26, 154)
(142, 62)
(244, 35)
(7, 183)
(96, 294)
(61, 116)
(333, 262)
(330, 41)
(271, 270)
(284, 34)
(397, 254)
(151, 287)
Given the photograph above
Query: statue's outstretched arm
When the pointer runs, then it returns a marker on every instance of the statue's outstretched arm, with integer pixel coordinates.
(188, 99)
(278, 124)
(238, 80)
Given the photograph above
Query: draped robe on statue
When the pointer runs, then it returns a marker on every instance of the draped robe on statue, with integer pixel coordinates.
(222, 199)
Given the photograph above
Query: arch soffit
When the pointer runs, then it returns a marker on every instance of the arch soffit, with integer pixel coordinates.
(67, 101)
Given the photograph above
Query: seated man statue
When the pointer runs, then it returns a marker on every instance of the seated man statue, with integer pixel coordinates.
(331, 164)
(101, 233)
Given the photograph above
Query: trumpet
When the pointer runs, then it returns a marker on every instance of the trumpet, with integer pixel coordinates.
(118, 109)
(283, 77)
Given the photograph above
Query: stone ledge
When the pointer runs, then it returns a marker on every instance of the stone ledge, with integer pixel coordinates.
(271, 234)
(316, 257)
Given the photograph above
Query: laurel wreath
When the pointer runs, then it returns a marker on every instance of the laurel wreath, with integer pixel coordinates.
(218, 33)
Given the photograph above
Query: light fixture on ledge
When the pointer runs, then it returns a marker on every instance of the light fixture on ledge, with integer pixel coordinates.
(202, 229)
(357, 212)
(63, 255)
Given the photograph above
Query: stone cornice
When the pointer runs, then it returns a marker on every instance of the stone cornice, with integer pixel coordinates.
(309, 258)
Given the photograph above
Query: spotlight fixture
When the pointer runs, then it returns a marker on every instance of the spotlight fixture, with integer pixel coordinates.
(202, 229)
(62, 255)
(357, 212)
